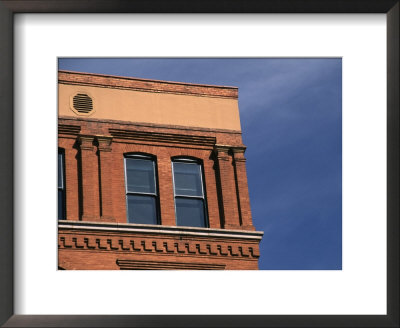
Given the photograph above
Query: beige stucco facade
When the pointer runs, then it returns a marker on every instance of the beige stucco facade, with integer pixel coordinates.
(153, 106)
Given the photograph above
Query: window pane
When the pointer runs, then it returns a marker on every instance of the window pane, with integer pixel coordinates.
(60, 204)
(190, 212)
(187, 179)
(140, 175)
(60, 170)
(142, 209)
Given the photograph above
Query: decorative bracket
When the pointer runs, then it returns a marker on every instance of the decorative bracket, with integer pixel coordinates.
(104, 143)
(238, 153)
(86, 142)
(221, 151)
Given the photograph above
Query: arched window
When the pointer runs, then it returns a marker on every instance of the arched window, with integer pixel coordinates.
(189, 193)
(61, 184)
(141, 189)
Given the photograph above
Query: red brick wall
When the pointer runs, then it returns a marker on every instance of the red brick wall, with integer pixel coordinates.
(94, 250)
(90, 191)
(95, 181)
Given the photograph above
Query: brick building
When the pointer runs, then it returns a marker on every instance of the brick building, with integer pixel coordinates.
(152, 175)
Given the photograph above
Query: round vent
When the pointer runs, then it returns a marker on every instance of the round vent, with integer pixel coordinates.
(82, 103)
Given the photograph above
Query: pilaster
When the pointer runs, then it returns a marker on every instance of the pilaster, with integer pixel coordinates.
(105, 174)
(228, 188)
(214, 219)
(89, 179)
(166, 190)
(242, 188)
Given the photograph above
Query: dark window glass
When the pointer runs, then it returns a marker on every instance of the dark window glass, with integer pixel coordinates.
(141, 190)
(190, 203)
(61, 186)
(60, 204)
(60, 170)
(142, 209)
(190, 212)
(140, 175)
(187, 179)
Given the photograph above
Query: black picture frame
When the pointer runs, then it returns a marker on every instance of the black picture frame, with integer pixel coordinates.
(10, 7)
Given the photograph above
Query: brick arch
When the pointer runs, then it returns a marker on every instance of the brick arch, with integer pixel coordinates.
(199, 154)
(193, 158)
(140, 153)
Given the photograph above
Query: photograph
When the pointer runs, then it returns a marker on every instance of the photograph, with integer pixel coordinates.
(199, 163)
(238, 161)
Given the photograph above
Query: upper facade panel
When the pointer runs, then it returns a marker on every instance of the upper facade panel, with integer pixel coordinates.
(147, 101)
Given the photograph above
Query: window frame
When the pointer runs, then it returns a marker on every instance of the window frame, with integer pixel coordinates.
(199, 162)
(61, 152)
(156, 193)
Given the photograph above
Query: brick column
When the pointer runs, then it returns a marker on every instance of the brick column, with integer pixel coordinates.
(242, 188)
(212, 197)
(166, 190)
(90, 180)
(105, 183)
(228, 188)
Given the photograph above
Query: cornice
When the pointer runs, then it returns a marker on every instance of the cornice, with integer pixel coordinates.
(78, 120)
(136, 84)
(158, 244)
(161, 230)
(69, 129)
(169, 138)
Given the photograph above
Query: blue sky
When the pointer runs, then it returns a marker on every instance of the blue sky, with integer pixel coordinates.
(291, 117)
